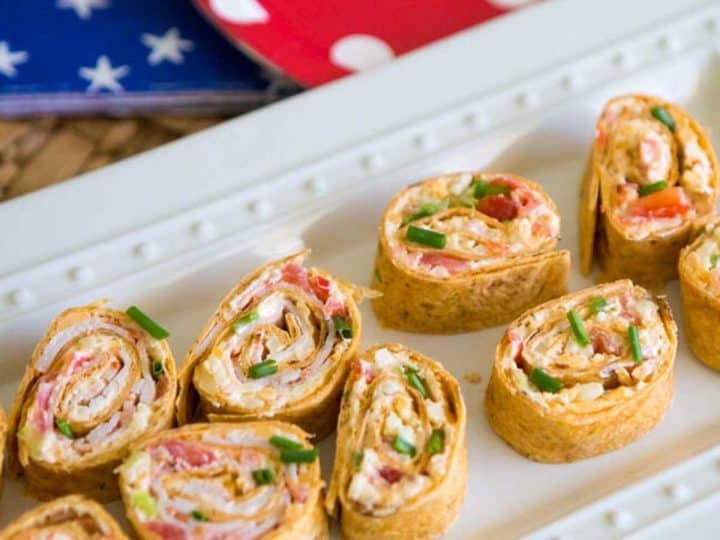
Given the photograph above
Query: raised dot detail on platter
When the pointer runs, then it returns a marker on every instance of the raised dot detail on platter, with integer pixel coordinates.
(147, 250)
(573, 82)
(315, 185)
(476, 119)
(21, 298)
(624, 60)
(425, 141)
(620, 519)
(527, 100)
(372, 162)
(712, 25)
(561, 537)
(81, 274)
(678, 492)
(669, 44)
(261, 207)
(203, 229)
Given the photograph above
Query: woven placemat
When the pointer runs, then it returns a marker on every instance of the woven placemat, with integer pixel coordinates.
(38, 152)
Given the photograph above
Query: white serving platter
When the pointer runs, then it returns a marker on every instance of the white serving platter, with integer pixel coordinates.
(174, 229)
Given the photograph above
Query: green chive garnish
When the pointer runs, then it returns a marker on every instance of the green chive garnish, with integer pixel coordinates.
(597, 304)
(64, 428)
(416, 382)
(401, 446)
(426, 210)
(426, 237)
(436, 442)
(145, 503)
(197, 515)
(652, 188)
(714, 258)
(578, 328)
(283, 443)
(342, 327)
(480, 189)
(634, 336)
(263, 477)
(246, 319)
(357, 457)
(263, 369)
(544, 381)
(150, 326)
(661, 114)
(156, 369)
(299, 456)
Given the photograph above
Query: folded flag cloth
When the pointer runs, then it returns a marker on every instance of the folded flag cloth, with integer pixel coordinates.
(122, 56)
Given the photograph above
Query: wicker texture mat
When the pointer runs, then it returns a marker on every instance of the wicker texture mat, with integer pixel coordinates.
(38, 152)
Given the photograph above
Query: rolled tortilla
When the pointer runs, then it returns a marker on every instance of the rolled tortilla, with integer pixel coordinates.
(652, 174)
(401, 459)
(72, 516)
(225, 480)
(96, 382)
(699, 269)
(278, 346)
(558, 394)
(467, 251)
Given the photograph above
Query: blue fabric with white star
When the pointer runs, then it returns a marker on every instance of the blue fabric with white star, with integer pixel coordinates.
(127, 52)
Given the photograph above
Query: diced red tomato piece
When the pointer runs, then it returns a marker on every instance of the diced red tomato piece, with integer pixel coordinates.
(390, 474)
(451, 263)
(193, 454)
(296, 274)
(364, 369)
(602, 341)
(669, 202)
(499, 207)
(321, 286)
(167, 531)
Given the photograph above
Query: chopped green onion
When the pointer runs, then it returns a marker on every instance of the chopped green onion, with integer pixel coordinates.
(652, 188)
(342, 327)
(480, 188)
(145, 503)
(714, 258)
(416, 382)
(64, 428)
(357, 457)
(544, 381)
(156, 369)
(283, 443)
(465, 199)
(661, 114)
(426, 210)
(263, 369)
(426, 237)
(578, 328)
(150, 326)
(401, 446)
(483, 189)
(299, 456)
(598, 304)
(436, 442)
(197, 515)
(634, 336)
(250, 316)
(263, 477)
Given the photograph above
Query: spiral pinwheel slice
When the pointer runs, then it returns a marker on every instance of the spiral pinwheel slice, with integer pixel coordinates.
(699, 269)
(583, 374)
(401, 460)
(279, 345)
(225, 480)
(467, 251)
(71, 517)
(652, 175)
(96, 382)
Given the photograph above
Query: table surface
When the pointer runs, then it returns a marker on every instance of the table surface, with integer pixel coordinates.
(38, 152)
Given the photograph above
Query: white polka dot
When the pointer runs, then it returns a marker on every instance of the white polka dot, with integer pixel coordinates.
(510, 4)
(358, 52)
(240, 11)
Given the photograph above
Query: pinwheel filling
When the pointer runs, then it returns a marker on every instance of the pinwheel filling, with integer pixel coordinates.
(704, 260)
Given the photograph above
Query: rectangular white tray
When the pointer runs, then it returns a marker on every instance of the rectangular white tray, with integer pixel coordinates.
(174, 229)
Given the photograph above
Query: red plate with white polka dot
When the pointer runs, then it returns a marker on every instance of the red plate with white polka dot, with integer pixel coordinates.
(316, 41)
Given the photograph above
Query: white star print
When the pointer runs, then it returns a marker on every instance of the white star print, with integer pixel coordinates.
(167, 47)
(9, 59)
(82, 8)
(103, 75)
